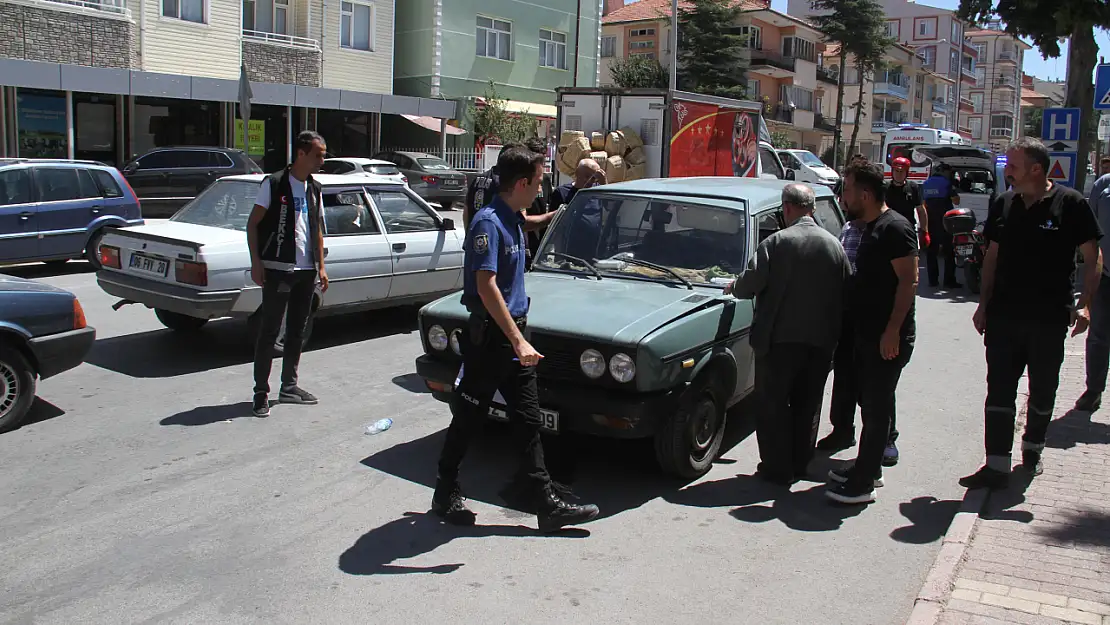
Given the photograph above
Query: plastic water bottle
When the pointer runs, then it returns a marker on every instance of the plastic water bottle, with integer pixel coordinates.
(379, 426)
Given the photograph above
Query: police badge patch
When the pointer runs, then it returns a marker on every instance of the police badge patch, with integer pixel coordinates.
(481, 243)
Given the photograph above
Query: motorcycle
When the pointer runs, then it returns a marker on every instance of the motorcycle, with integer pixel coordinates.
(970, 247)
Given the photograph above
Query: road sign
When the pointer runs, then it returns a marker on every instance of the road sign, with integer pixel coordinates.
(1060, 125)
(1062, 146)
(1104, 127)
(1102, 87)
(1061, 168)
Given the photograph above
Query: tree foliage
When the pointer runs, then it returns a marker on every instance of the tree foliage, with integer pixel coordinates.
(637, 72)
(711, 57)
(1045, 24)
(494, 123)
(781, 140)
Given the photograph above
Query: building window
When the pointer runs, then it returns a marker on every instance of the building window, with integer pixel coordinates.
(266, 16)
(641, 45)
(976, 125)
(188, 10)
(928, 57)
(1002, 121)
(643, 55)
(956, 38)
(892, 29)
(642, 32)
(608, 47)
(356, 25)
(977, 102)
(925, 28)
(980, 50)
(753, 88)
(799, 49)
(553, 49)
(954, 64)
(752, 37)
(495, 38)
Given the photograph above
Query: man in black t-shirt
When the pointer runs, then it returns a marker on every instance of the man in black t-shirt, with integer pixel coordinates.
(882, 309)
(903, 196)
(1028, 302)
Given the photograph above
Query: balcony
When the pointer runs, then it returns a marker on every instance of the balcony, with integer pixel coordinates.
(1006, 57)
(966, 105)
(1005, 82)
(771, 64)
(885, 121)
(820, 122)
(831, 76)
(967, 75)
(892, 86)
(782, 113)
(1003, 106)
(281, 58)
(1005, 133)
(71, 32)
(279, 39)
(90, 7)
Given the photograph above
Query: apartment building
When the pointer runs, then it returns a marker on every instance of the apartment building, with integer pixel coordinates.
(110, 79)
(452, 50)
(996, 93)
(1037, 95)
(937, 36)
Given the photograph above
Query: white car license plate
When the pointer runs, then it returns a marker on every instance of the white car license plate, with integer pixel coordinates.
(150, 265)
(549, 419)
(963, 250)
(451, 183)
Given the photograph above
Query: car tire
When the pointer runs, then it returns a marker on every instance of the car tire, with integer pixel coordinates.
(689, 440)
(254, 326)
(179, 322)
(92, 250)
(17, 387)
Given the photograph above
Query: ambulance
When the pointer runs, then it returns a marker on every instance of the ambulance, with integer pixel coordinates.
(903, 141)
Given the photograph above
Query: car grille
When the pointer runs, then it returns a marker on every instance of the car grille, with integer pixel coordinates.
(561, 360)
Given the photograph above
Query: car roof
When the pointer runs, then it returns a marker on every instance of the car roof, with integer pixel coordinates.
(416, 154)
(325, 179)
(209, 148)
(757, 191)
(33, 162)
(358, 160)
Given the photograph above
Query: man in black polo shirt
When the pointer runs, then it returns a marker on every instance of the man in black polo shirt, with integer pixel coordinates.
(903, 196)
(1028, 302)
(882, 308)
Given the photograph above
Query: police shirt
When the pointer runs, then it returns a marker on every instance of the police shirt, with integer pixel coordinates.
(481, 192)
(875, 284)
(1036, 254)
(939, 193)
(495, 242)
(904, 199)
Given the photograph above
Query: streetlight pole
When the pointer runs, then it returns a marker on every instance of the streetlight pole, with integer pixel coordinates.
(674, 45)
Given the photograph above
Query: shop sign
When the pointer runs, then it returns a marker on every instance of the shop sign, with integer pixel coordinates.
(256, 129)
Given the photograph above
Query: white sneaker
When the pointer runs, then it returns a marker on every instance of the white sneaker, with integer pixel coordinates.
(840, 476)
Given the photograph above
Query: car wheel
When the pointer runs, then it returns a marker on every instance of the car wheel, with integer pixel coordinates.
(92, 251)
(254, 326)
(17, 388)
(179, 322)
(687, 443)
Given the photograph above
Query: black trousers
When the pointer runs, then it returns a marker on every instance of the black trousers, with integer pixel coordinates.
(1012, 347)
(940, 244)
(878, 382)
(285, 295)
(790, 379)
(845, 391)
(1098, 338)
(488, 367)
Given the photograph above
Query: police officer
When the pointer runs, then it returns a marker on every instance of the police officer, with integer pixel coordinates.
(1028, 302)
(496, 356)
(940, 197)
(483, 188)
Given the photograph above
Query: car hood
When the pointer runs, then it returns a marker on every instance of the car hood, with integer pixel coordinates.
(9, 284)
(193, 233)
(959, 156)
(825, 171)
(612, 310)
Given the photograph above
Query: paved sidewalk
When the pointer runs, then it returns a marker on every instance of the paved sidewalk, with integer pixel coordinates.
(1040, 552)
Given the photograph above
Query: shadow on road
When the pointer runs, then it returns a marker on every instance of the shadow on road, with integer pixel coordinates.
(412, 383)
(1077, 427)
(929, 519)
(1087, 527)
(224, 343)
(207, 415)
(416, 534)
(33, 271)
(41, 410)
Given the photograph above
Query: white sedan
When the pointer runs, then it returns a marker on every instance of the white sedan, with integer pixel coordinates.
(350, 165)
(383, 245)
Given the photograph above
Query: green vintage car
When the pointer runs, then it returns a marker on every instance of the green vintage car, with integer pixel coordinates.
(628, 310)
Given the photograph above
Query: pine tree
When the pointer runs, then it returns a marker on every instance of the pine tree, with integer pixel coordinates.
(711, 57)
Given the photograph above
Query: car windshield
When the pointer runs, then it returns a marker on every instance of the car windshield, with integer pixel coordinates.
(809, 158)
(433, 164)
(225, 204)
(702, 243)
(381, 170)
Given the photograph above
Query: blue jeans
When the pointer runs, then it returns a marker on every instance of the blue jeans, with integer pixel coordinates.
(1098, 338)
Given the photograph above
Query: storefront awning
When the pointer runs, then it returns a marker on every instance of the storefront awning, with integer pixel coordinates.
(517, 106)
(433, 124)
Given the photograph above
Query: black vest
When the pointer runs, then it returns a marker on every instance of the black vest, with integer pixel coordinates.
(277, 230)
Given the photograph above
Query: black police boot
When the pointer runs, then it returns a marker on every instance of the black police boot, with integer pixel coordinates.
(519, 493)
(986, 477)
(837, 440)
(1031, 462)
(447, 503)
(1089, 402)
(554, 513)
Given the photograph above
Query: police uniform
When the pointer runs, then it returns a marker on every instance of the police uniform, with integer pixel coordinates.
(1028, 315)
(495, 242)
(482, 189)
(939, 193)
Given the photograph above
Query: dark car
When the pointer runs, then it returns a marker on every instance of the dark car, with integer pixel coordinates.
(55, 210)
(430, 176)
(42, 333)
(165, 179)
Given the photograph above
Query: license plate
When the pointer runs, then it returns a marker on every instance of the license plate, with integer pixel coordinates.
(452, 183)
(150, 265)
(549, 419)
(964, 250)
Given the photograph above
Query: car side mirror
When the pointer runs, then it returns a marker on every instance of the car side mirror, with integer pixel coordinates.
(130, 168)
(790, 174)
(448, 224)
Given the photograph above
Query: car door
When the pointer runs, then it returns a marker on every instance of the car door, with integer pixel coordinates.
(767, 222)
(359, 260)
(68, 203)
(195, 170)
(19, 235)
(149, 177)
(427, 257)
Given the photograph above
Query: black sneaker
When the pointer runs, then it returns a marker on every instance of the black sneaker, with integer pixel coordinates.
(841, 476)
(837, 440)
(1089, 402)
(260, 407)
(520, 494)
(447, 503)
(296, 395)
(555, 513)
(846, 493)
(986, 477)
(953, 285)
(890, 455)
(1031, 462)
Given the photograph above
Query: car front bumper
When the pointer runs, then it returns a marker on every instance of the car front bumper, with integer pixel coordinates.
(172, 297)
(593, 411)
(55, 353)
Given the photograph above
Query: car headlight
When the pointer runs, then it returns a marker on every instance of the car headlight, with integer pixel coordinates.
(592, 363)
(622, 368)
(454, 340)
(437, 338)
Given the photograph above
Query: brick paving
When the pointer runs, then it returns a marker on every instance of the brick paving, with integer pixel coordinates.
(1040, 551)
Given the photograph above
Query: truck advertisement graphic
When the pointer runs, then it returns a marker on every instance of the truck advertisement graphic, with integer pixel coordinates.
(712, 140)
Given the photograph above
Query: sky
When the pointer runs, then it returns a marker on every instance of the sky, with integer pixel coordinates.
(1034, 65)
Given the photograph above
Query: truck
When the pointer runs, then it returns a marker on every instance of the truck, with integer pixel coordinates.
(682, 134)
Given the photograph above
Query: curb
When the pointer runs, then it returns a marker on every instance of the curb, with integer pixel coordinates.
(938, 584)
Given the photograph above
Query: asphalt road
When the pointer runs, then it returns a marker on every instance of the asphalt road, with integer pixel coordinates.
(142, 492)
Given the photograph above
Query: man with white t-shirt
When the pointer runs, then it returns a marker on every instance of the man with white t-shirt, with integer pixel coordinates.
(285, 236)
